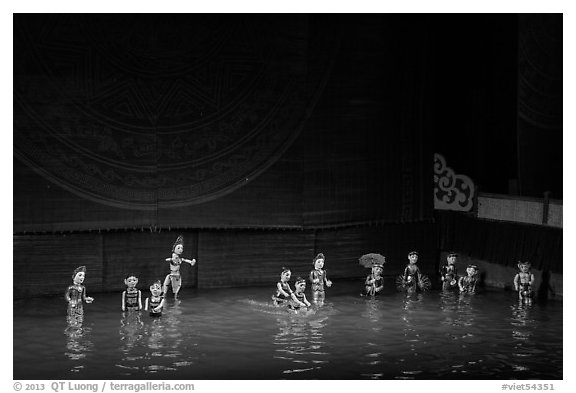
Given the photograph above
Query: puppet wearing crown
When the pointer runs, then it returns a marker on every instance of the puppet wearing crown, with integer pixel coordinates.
(176, 260)
(76, 294)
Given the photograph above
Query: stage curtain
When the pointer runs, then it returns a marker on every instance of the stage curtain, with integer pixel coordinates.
(540, 97)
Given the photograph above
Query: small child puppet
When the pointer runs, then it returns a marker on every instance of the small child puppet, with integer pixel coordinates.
(131, 297)
(298, 297)
(155, 302)
(283, 292)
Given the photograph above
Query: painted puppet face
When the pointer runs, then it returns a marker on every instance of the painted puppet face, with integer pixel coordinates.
(377, 270)
(156, 289)
(451, 260)
(471, 271)
(178, 249)
(131, 282)
(300, 287)
(319, 263)
(413, 258)
(524, 267)
(285, 276)
(79, 278)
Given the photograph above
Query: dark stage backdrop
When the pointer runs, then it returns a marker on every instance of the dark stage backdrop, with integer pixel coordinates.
(219, 121)
(540, 98)
(504, 243)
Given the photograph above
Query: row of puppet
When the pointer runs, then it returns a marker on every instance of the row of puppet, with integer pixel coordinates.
(132, 297)
(523, 279)
(296, 299)
(411, 280)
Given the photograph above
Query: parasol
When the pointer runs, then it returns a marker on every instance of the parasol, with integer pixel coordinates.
(369, 260)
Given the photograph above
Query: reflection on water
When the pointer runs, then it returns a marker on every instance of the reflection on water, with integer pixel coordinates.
(153, 344)
(374, 352)
(131, 332)
(78, 343)
(239, 334)
(165, 343)
(522, 327)
(299, 340)
(412, 304)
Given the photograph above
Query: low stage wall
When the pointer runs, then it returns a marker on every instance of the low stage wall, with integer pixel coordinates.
(43, 264)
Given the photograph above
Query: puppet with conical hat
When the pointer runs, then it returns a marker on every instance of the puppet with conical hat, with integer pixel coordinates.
(176, 260)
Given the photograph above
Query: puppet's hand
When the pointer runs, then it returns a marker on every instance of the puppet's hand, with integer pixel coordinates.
(89, 299)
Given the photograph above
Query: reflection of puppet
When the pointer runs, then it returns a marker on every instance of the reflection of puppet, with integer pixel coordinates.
(298, 297)
(176, 260)
(130, 326)
(448, 273)
(283, 291)
(155, 302)
(523, 281)
(467, 284)
(76, 294)
(131, 297)
(374, 282)
(412, 279)
(318, 278)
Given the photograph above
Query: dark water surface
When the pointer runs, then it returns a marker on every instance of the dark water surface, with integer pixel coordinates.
(237, 334)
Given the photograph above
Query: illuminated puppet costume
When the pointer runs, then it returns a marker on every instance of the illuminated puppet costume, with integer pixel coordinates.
(449, 274)
(76, 296)
(131, 297)
(318, 278)
(298, 297)
(174, 278)
(467, 284)
(283, 291)
(155, 303)
(523, 281)
(374, 282)
(412, 279)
